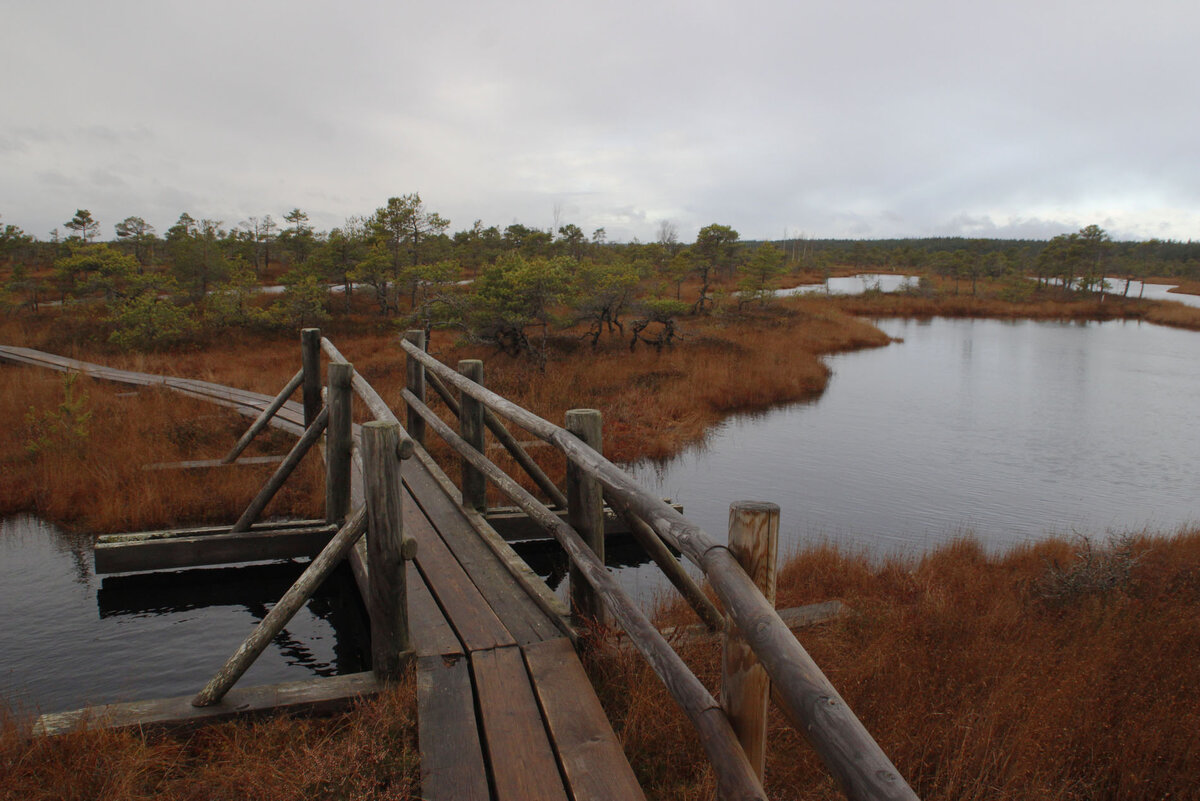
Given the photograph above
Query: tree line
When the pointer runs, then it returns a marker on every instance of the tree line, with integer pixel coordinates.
(506, 287)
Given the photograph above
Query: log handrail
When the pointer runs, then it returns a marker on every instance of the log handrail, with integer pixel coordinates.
(805, 695)
(375, 404)
(735, 776)
(505, 438)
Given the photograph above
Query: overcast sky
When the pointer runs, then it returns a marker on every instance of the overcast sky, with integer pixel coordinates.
(829, 119)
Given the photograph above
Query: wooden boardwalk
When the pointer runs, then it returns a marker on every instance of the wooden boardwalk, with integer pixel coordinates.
(505, 710)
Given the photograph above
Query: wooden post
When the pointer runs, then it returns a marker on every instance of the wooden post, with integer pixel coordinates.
(310, 352)
(416, 385)
(470, 421)
(387, 549)
(339, 442)
(585, 511)
(745, 686)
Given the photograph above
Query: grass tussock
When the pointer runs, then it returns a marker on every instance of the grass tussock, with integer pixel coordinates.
(1058, 671)
(369, 753)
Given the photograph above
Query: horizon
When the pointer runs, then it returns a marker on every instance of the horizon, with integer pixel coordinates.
(850, 121)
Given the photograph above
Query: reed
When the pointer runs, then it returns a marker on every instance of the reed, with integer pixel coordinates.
(977, 682)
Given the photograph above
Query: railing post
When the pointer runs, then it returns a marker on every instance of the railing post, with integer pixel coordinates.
(745, 686)
(310, 353)
(387, 550)
(338, 442)
(413, 422)
(585, 510)
(470, 421)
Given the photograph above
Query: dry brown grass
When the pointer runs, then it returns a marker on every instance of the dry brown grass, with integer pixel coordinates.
(975, 681)
(653, 404)
(994, 299)
(368, 753)
(94, 479)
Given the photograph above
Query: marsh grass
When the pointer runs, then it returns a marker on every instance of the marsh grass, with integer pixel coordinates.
(368, 753)
(973, 685)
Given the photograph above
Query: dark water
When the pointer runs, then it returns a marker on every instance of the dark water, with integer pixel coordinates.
(69, 638)
(1006, 430)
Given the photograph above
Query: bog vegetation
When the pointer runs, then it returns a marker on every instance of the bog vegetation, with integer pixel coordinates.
(1058, 671)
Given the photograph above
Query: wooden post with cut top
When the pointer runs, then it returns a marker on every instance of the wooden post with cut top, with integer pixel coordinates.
(471, 428)
(745, 686)
(387, 550)
(338, 442)
(310, 353)
(585, 510)
(415, 382)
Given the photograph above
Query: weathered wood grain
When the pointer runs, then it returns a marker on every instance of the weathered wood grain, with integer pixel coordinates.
(171, 552)
(492, 566)
(387, 550)
(669, 565)
(452, 763)
(415, 382)
(588, 751)
(283, 611)
(264, 418)
(338, 442)
(283, 472)
(736, 778)
(745, 686)
(310, 366)
(518, 748)
(470, 419)
(311, 696)
(585, 512)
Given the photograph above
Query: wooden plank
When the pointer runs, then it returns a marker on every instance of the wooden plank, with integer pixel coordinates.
(511, 603)
(452, 764)
(541, 595)
(201, 464)
(165, 553)
(198, 531)
(515, 526)
(432, 635)
(588, 749)
(518, 748)
(312, 696)
(464, 606)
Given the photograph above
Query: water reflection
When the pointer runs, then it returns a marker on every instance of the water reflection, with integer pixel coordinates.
(1009, 430)
(70, 640)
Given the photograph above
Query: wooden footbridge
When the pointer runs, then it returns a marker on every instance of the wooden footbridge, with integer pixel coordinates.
(505, 710)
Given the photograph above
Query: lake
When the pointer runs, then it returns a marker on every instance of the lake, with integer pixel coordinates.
(1009, 431)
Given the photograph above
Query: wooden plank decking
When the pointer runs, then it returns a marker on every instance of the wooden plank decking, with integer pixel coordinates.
(505, 710)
